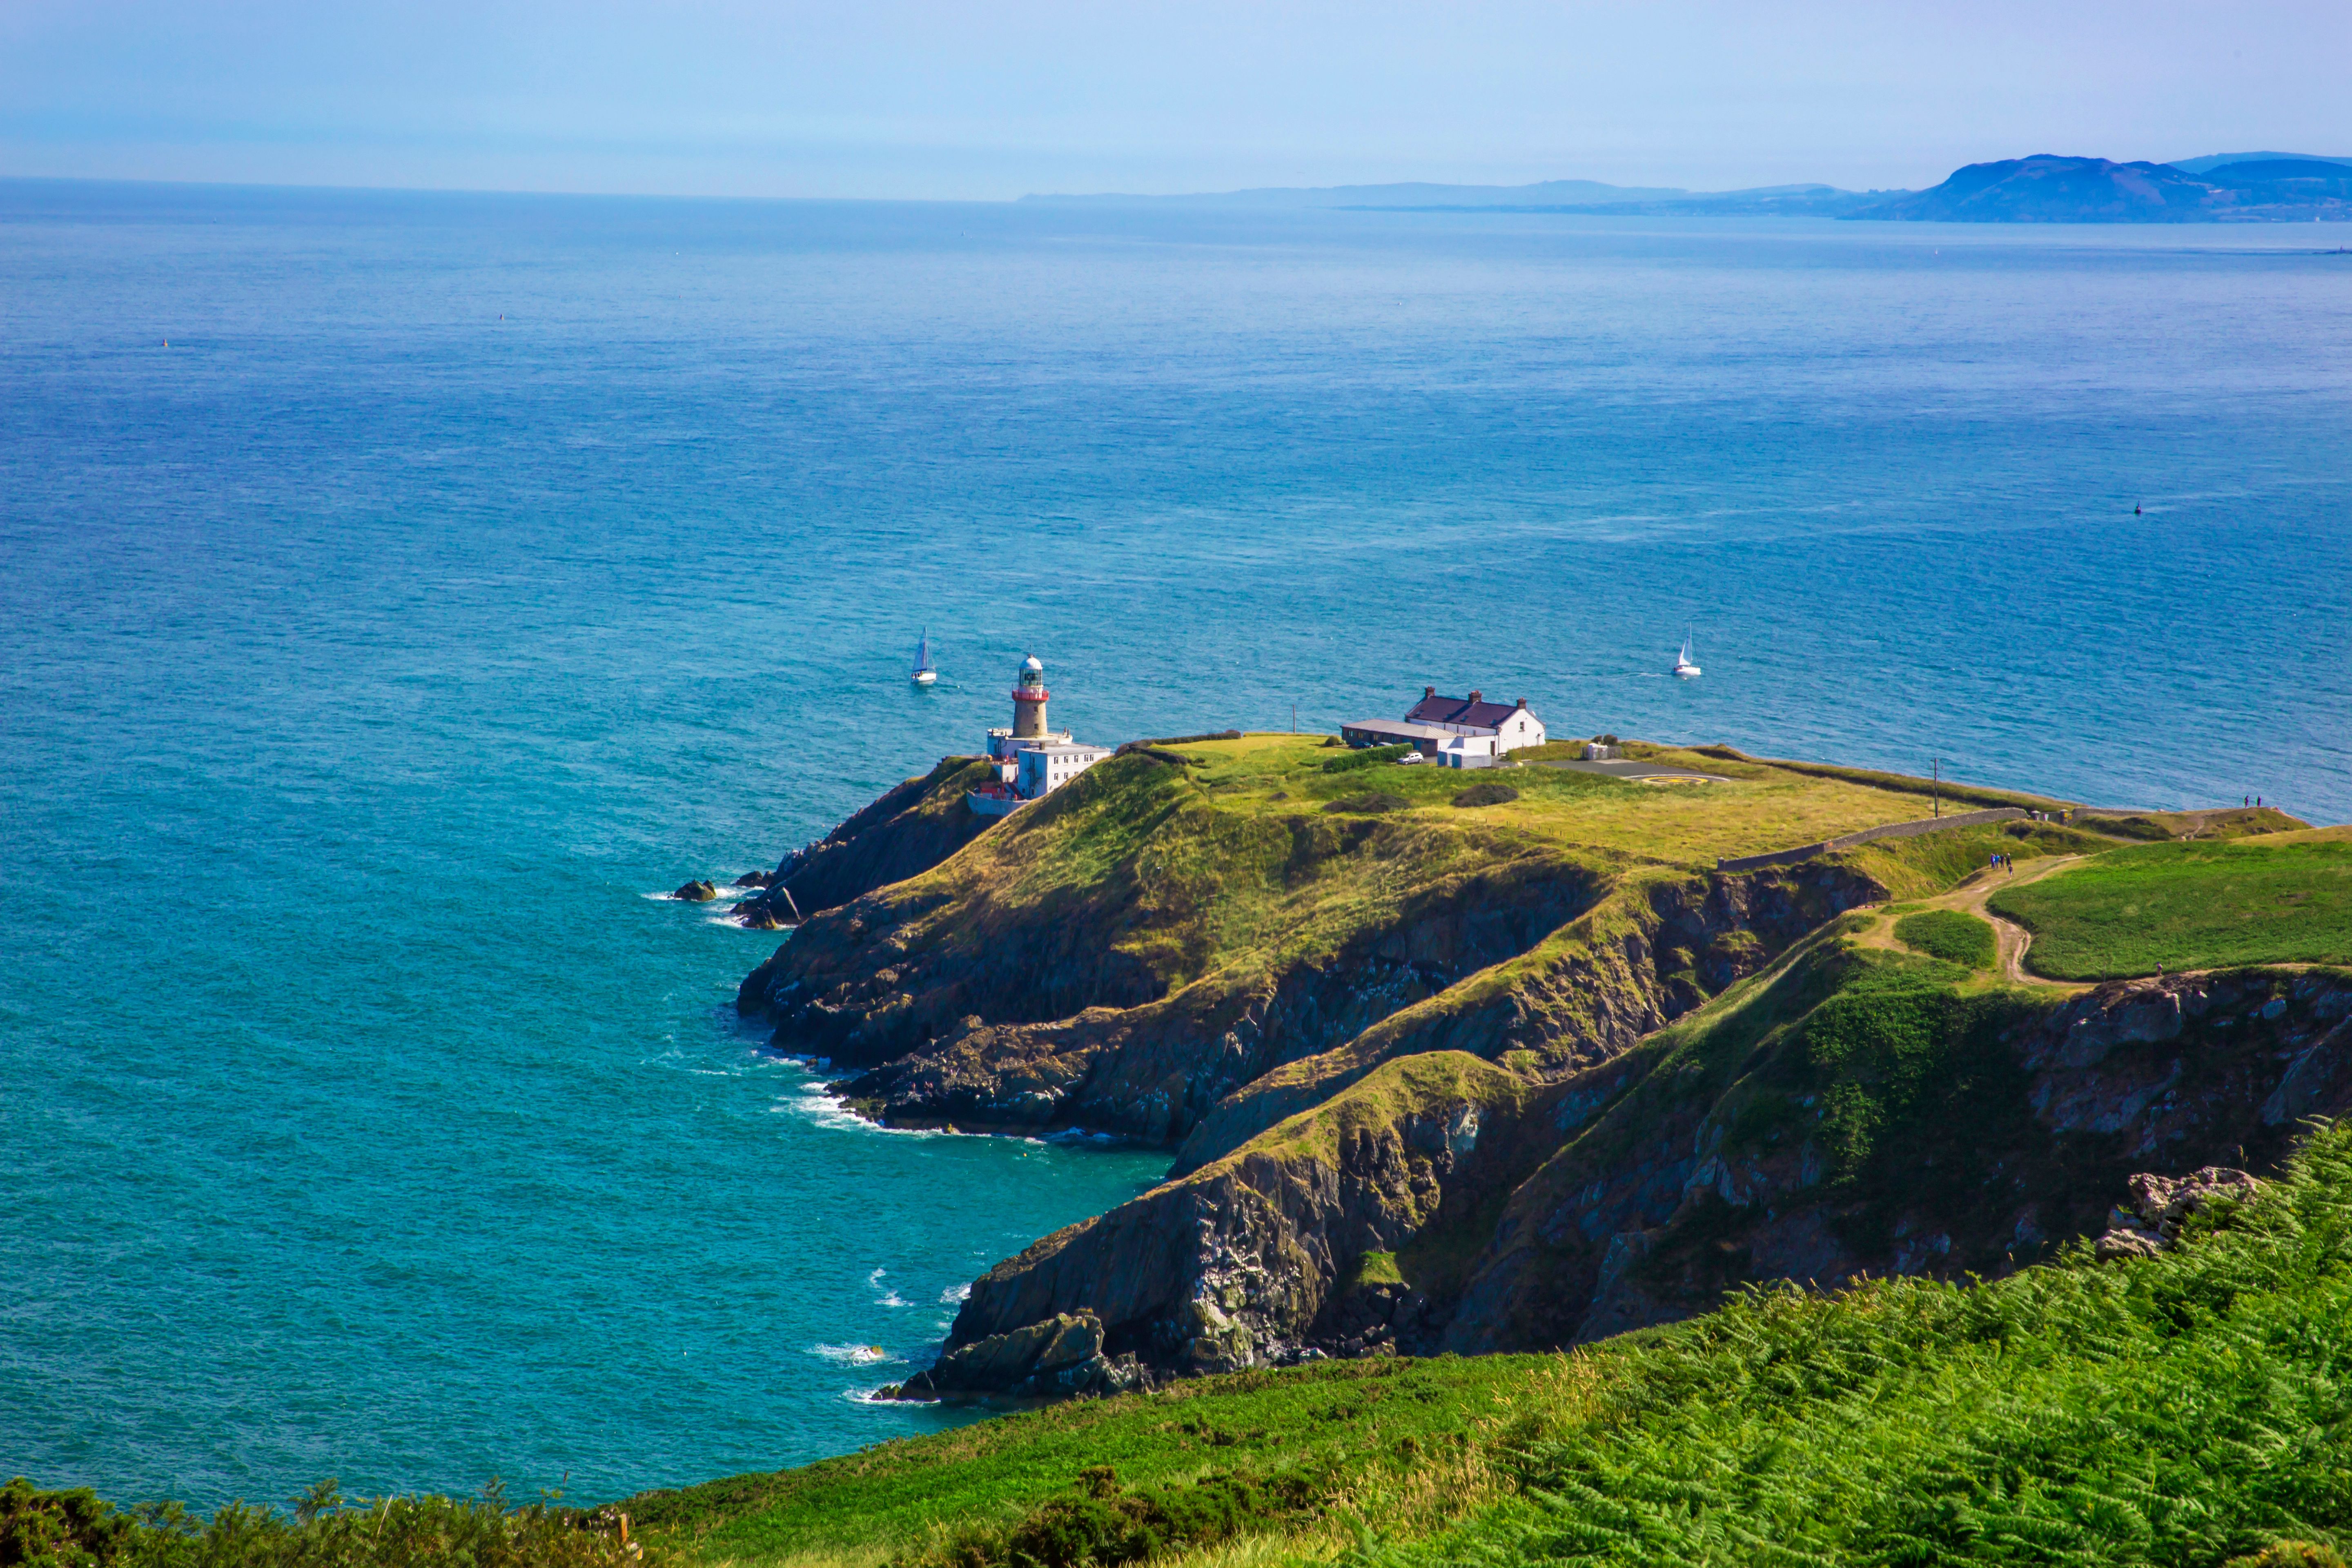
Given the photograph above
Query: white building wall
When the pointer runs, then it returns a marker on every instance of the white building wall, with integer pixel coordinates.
(1521, 729)
(1045, 769)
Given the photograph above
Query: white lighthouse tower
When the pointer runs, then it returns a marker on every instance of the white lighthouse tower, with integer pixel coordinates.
(1031, 760)
(1029, 702)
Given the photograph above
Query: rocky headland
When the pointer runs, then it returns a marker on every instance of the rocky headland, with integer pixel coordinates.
(1492, 1076)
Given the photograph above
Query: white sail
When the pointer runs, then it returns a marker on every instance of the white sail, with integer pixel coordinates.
(925, 672)
(1684, 664)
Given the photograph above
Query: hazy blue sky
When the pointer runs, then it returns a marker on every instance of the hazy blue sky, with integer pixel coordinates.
(892, 98)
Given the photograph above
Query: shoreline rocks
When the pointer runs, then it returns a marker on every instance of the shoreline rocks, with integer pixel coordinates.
(1056, 1358)
(696, 892)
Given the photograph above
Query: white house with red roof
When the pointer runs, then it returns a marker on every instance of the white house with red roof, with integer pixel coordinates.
(1457, 732)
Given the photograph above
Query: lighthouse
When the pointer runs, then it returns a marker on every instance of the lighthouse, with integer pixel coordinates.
(1031, 761)
(1029, 702)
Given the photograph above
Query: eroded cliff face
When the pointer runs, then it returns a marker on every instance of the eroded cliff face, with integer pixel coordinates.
(1151, 1072)
(2008, 1129)
(1658, 946)
(1758, 1143)
(1232, 1265)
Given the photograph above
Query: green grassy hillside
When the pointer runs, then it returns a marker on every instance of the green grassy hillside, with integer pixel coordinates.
(2279, 899)
(1397, 1437)
(2184, 1409)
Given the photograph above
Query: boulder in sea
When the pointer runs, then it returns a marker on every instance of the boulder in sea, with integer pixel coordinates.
(696, 892)
(1060, 1356)
(753, 880)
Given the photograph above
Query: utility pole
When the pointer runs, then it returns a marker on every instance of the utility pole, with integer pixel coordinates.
(1936, 794)
(1294, 718)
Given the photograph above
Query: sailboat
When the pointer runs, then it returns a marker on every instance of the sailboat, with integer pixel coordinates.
(925, 672)
(1684, 666)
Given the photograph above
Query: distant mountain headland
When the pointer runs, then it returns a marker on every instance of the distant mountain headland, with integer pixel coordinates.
(2045, 188)
(2219, 187)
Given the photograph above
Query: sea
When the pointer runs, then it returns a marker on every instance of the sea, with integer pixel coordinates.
(399, 592)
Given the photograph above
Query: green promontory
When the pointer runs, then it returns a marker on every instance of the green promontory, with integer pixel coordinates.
(1566, 1075)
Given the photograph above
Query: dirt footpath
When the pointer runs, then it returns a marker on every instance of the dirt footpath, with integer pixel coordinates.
(2011, 940)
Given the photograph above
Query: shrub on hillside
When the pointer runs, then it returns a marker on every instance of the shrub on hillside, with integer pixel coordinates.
(1105, 1524)
(75, 1529)
(1949, 934)
(1376, 801)
(1485, 794)
(1365, 758)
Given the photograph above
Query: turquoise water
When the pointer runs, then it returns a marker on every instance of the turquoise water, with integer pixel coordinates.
(469, 568)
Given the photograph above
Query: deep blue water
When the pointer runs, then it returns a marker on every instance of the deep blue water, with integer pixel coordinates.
(468, 568)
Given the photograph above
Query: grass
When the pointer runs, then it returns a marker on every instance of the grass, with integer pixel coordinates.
(1401, 1438)
(1951, 935)
(2178, 1412)
(1945, 790)
(1761, 806)
(2278, 898)
(1932, 862)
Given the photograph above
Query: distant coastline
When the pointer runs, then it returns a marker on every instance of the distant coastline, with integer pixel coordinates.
(2221, 187)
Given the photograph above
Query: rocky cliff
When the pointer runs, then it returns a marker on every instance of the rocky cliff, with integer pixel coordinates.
(906, 831)
(1849, 1114)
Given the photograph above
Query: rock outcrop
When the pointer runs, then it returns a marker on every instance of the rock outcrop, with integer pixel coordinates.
(907, 830)
(1051, 1359)
(1659, 945)
(2149, 1222)
(696, 892)
(1439, 1082)
(1747, 1151)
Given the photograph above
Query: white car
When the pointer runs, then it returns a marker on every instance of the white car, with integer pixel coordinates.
(1410, 757)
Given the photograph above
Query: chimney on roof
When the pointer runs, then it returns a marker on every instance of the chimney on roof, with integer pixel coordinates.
(1523, 702)
(1478, 696)
(1429, 691)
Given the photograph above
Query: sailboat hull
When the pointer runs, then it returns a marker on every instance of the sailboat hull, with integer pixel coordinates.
(925, 677)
